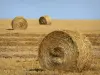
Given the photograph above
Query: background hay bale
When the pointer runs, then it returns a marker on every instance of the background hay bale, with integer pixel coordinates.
(65, 50)
(45, 20)
(19, 23)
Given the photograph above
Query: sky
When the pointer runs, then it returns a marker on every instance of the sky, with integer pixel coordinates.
(57, 9)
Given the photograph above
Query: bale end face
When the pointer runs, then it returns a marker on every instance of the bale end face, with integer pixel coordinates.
(65, 50)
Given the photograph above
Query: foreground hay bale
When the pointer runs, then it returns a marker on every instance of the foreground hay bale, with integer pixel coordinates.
(19, 23)
(45, 20)
(65, 50)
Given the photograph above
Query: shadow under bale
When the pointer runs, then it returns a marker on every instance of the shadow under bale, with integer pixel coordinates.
(65, 50)
(36, 69)
(19, 23)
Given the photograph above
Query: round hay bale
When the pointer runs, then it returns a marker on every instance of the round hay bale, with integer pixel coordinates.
(65, 50)
(45, 20)
(19, 23)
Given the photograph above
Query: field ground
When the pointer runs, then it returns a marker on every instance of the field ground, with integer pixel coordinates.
(19, 48)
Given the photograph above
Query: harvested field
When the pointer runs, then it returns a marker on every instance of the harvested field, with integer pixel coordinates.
(19, 49)
(23, 59)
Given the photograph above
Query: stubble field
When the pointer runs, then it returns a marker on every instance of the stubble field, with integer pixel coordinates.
(19, 48)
